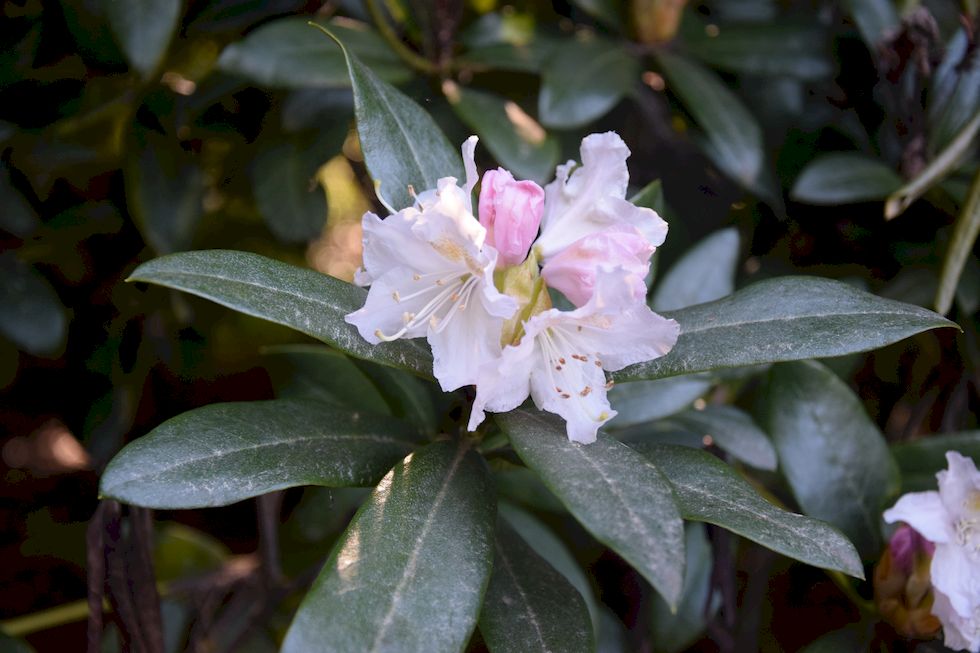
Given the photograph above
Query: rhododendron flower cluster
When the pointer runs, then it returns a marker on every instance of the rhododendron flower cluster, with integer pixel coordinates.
(950, 520)
(476, 284)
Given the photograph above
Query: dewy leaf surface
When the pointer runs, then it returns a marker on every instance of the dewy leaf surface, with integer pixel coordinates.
(305, 300)
(401, 142)
(409, 573)
(834, 457)
(709, 490)
(223, 453)
(622, 499)
(784, 319)
(529, 606)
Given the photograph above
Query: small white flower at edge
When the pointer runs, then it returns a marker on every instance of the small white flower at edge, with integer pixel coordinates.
(950, 518)
(432, 275)
(562, 357)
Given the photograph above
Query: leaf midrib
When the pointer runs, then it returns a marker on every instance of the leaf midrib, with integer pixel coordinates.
(529, 608)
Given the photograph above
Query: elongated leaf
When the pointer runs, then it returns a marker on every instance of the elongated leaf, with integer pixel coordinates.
(703, 274)
(403, 147)
(843, 177)
(547, 545)
(643, 401)
(32, 316)
(832, 454)
(733, 137)
(312, 303)
(734, 431)
(784, 319)
(784, 49)
(289, 53)
(676, 631)
(529, 606)
(582, 80)
(143, 28)
(223, 453)
(410, 571)
(955, 94)
(960, 247)
(920, 460)
(519, 143)
(291, 201)
(709, 490)
(17, 216)
(615, 493)
(876, 19)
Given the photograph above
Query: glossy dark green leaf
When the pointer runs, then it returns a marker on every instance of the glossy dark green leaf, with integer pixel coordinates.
(734, 431)
(955, 94)
(643, 401)
(784, 319)
(164, 191)
(33, 317)
(289, 53)
(675, 631)
(831, 453)
(403, 146)
(310, 302)
(705, 273)
(223, 453)
(547, 545)
(410, 572)
(733, 138)
(618, 496)
(517, 142)
(919, 460)
(582, 79)
(844, 177)
(529, 606)
(876, 19)
(521, 485)
(783, 49)
(709, 490)
(143, 28)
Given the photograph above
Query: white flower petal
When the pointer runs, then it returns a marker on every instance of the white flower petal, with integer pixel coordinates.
(959, 486)
(923, 511)
(469, 164)
(389, 244)
(503, 384)
(959, 633)
(463, 347)
(956, 573)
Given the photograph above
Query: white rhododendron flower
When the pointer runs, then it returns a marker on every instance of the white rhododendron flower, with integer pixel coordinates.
(472, 285)
(950, 519)
(561, 358)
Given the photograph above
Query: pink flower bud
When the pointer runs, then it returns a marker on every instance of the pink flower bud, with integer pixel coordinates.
(573, 270)
(907, 543)
(511, 212)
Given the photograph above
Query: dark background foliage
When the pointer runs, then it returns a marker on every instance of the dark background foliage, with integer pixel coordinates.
(126, 133)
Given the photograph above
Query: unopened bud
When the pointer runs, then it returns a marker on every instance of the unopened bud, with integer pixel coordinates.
(903, 591)
(511, 212)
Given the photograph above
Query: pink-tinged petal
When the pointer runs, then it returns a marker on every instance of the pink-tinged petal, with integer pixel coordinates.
(511, 212)
(905, 545)
(959, 485)
(956, 574)
(923, 511)
(573, 270)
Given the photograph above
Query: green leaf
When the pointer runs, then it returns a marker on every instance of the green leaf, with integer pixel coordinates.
(784, 49)
(410, 571)
(143, 28)
(606, 11)
(529, 606)
(831, 453)
(617, 495)
(733, 138)
(643, 401)
(960, 247)
(651, 196)
(310, 302)
(675, 631)
(582, 79)
(17, 216)
(920, 460)
(845, 177)
(876, 20)
(784, 319)
(517, 142)
(734, 431)
(403, 146)
(709, 490)
(180, 551)
(547, 545)
(32, 316)
(955, 94)
(223, 453)
(164, 191)
(289, 53)
(705, 273)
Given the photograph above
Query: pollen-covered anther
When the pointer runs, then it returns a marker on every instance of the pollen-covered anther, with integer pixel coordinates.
(561, 360)
(407, 317)
(558, 367)
(558, 390)
(454, 297)
(610, 384)
(411, 190)
(416, 276)
(585, 391)
(580, 357)
(396, 296)
(565, 395)
(598, 363)
(434, 322)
